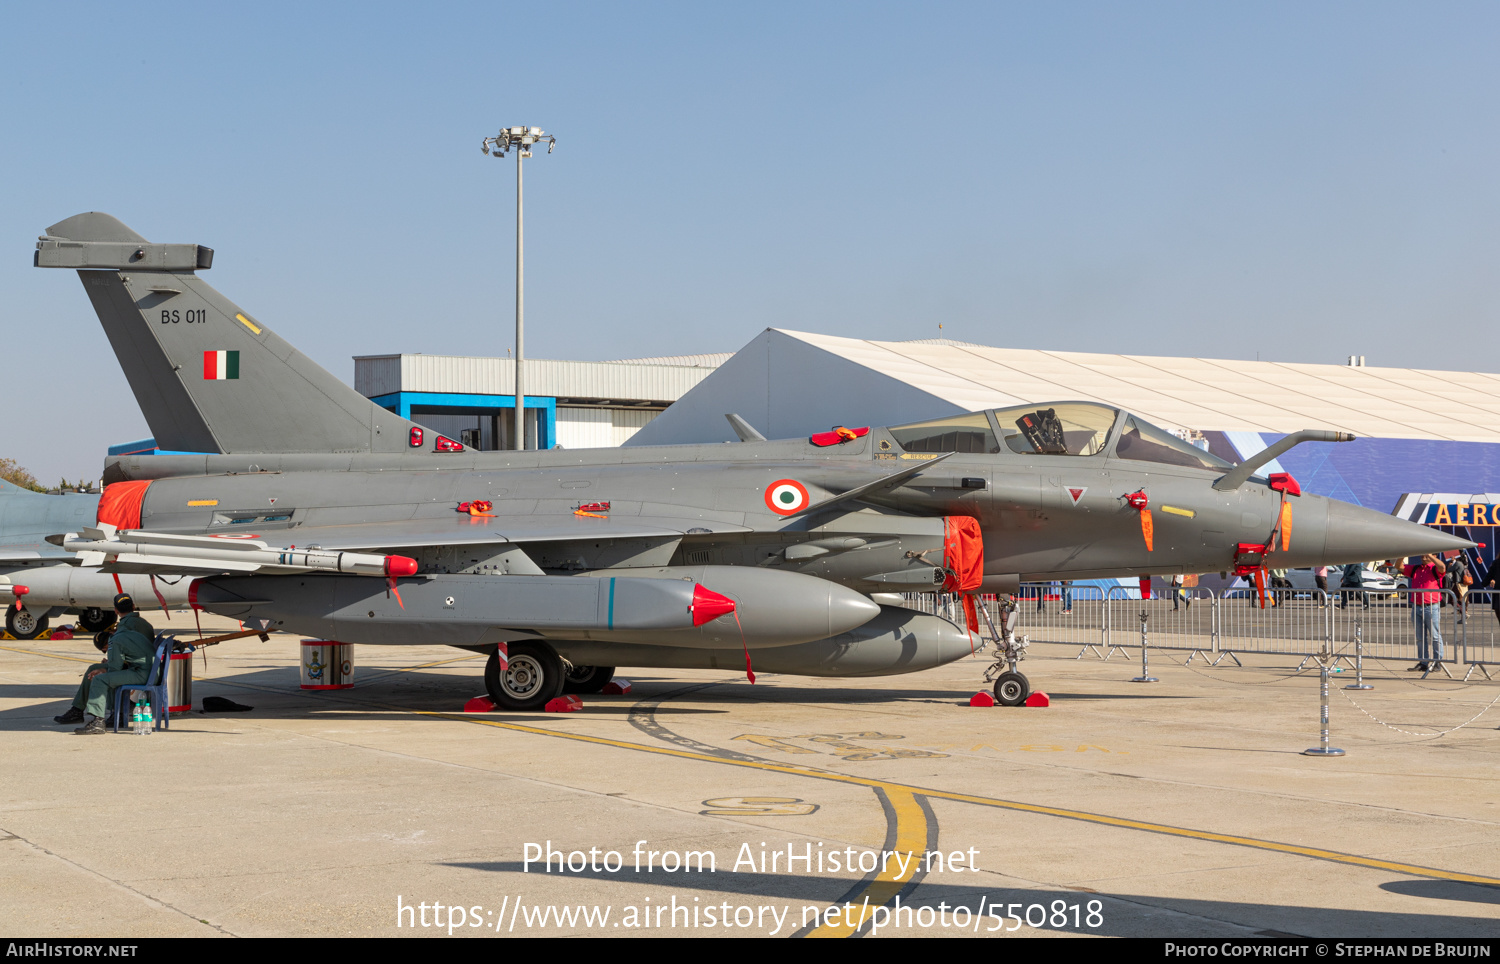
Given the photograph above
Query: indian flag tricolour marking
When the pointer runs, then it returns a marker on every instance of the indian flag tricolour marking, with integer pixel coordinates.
(219, 365)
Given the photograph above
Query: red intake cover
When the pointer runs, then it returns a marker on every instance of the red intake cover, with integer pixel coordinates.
(445, 444)
(708, 604)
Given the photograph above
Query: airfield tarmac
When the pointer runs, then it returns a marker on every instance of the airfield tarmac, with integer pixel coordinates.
(1182, 808)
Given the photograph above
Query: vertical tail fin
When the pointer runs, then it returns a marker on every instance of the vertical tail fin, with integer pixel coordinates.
(210, 377)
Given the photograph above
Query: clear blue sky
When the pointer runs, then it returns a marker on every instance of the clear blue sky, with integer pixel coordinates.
(1302, 181)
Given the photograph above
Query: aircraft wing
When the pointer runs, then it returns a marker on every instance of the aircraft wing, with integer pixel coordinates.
(473, 530)
(360, 548)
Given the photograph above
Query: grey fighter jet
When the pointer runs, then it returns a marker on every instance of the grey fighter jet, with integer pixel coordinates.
(318, 512)
(40, 581)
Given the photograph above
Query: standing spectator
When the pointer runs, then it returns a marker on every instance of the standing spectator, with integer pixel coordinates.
(1458, 580)
(1352, 582)
(1425, 611)
(1067, 594)
(1177, 593)
(1320, 576)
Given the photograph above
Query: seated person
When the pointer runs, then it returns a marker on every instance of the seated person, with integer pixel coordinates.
(131, 646)
(75, 712)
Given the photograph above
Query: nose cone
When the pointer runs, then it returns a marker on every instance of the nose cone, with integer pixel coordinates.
(1355, 534)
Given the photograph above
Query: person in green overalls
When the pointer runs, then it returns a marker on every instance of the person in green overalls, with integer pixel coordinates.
(128, 660)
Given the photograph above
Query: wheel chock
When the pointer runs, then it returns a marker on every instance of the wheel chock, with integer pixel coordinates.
(563, 704)
(981, 699)
(616, 687)
(1037, 699)
(480, 704)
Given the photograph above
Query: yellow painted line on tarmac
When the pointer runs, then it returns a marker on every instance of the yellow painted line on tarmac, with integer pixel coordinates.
(911, 840)
(896, 789)
(37, 652)
(407, 669)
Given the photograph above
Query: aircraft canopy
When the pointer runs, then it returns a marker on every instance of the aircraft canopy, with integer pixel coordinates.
(1055, 428)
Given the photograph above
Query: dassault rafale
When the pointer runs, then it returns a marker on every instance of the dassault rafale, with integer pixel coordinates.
(313, 510)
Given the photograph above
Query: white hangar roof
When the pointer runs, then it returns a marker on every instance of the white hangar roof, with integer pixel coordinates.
(792, 383)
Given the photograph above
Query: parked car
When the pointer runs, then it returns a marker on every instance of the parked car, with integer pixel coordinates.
(1375, 580)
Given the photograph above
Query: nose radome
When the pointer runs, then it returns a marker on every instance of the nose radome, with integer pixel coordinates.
(1356, 534)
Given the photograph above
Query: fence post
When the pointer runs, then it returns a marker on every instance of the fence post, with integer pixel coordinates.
(1323, 749)
(1359, 657)
(1213, 624)
(1145, 676)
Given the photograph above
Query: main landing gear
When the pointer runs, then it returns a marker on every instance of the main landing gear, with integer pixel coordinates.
(96, 620)
(534, 676)
(587, 679)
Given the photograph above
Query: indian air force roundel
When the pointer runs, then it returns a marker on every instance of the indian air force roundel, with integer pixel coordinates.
(786, 496)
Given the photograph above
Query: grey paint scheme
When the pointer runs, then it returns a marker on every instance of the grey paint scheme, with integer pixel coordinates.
(160, 322)
(898, 640)
(685, 505)
(634, 605)
(55, 584)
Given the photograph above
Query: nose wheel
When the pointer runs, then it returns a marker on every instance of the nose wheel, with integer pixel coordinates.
(1011, 689)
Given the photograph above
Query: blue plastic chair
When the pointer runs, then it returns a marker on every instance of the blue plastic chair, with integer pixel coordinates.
(155, 688)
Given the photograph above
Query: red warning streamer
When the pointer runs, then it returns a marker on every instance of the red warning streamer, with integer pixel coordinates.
(1141, 503)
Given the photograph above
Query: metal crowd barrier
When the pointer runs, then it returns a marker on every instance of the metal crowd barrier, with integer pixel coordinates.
(1481, 631)
(1177, 618)
(1295, 622)
(1343, 624)
(1383, 626)
(1053, 613)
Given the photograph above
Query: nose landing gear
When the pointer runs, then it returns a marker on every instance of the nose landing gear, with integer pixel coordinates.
(1011, 687)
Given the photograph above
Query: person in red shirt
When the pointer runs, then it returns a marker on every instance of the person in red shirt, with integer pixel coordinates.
(1425, 612)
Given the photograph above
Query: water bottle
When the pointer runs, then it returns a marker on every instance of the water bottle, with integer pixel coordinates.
(148, 725)
(135, 713)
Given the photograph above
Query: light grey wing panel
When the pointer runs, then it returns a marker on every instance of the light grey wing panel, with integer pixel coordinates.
(474, 530)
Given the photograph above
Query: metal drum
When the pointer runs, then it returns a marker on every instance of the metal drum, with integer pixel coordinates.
(180, 684)
(327, 665)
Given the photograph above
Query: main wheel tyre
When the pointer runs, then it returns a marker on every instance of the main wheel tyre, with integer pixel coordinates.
(587, 679)
(1011, 689)
(96, 620)
(24, 623)
(534, 676)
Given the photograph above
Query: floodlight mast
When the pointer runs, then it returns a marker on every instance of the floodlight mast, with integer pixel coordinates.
(521, 140)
